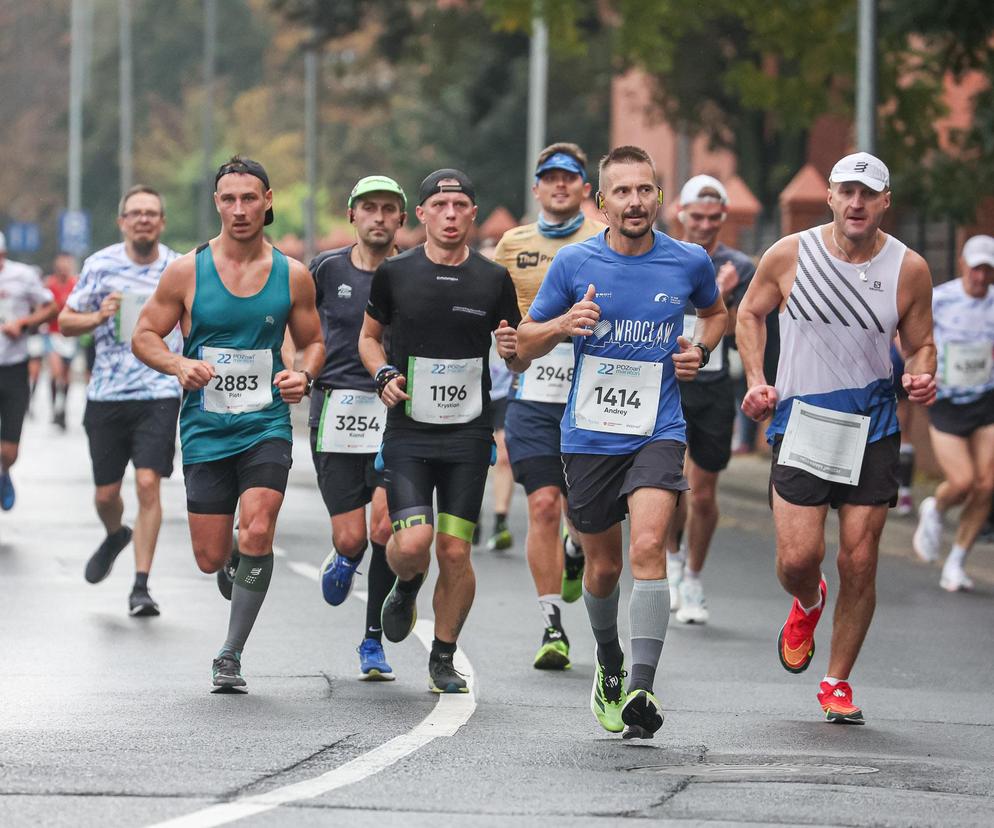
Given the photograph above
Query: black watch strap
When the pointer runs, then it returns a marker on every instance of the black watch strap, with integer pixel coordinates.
(705, 353)
(310, 383)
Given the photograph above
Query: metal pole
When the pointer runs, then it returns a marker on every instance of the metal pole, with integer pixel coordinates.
(866, 87)
(310, 144)
(76, 68)
(538, 82)
(127, 102)
(206, 217)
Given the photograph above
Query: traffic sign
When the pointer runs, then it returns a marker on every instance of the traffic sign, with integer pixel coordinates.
(23, 237)
(74, 231)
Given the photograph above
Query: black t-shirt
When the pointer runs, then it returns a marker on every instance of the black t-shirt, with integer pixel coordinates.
(442, 312)
(746, 270)
(342, 293)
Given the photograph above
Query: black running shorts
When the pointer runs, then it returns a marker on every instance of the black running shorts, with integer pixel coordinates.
(142, 432)
(15, 393)
(213, 488)
(709, 409)
(962, 419)
(536, 473)
(498, 413)
(418, 467)
(346, 481)
(877, 479)
(598, 485)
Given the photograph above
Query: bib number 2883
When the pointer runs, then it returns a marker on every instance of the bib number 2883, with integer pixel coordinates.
(242, 381)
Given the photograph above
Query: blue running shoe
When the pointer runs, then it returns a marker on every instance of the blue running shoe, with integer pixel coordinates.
(337, 572)
(7, 495)
(372, 662)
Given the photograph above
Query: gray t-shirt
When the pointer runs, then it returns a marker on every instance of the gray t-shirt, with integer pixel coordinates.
(21, 292)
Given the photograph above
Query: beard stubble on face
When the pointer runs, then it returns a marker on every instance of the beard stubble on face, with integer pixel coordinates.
(144, 247)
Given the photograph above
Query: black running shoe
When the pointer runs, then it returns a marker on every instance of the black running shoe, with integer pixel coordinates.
(98, 567)
(226, 574)
(642, 713)
(399, 613)
(141, 605)
(443, 676)
(554, 652)
(226, 671)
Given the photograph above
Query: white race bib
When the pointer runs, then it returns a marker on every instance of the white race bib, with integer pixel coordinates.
(127, 314)
(620, 396)
(7, 310)
(444, 391)
(967, 364)
(351, 422)
(548, 379)
(717, 361)
(829, 444)
(242, 381)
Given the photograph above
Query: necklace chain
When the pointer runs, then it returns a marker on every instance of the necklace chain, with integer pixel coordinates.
(862, 267)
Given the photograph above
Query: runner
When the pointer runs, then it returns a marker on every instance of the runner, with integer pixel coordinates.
(441, 301)
(621, 295)
(59, 348)
(347, 419)
(503, 478)
(24, 304)
(130, 409)
(234, 298)
(844, 290)
(708, 404)
(538, 400)
(962, 419)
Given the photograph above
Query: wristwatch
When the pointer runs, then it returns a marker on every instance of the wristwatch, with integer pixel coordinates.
(310, 383)
(705, 353)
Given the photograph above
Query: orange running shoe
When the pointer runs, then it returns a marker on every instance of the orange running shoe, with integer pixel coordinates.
(796, 644)
(837, 704)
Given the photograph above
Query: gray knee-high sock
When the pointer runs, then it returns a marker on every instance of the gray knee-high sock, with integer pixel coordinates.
(648, 615)
(603, 613)
(247, 594)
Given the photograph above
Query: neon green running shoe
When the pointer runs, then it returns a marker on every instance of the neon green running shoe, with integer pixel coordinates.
(554, 652)
(607, 697)
(643, 715)
(499, 541)
(572, 587)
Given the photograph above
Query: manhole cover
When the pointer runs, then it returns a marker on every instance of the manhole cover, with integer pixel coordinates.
(724, 771)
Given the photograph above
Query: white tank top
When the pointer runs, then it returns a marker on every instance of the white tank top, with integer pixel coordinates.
(835, 335)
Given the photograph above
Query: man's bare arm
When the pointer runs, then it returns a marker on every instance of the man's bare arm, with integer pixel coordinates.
(914, 305)
(536, 339)
(304, 328)
(374, 357)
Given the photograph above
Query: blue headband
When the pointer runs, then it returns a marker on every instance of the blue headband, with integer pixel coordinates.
(561, 161)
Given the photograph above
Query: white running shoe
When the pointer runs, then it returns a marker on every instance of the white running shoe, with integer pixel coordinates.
(954, 579)
(674, 575)
(693, 607)
(905, 505)
(928, 535)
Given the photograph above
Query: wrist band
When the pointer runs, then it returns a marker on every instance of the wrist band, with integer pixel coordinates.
(386, 375)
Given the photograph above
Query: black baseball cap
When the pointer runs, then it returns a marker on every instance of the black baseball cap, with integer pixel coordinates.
(431, 185)
(245, 166)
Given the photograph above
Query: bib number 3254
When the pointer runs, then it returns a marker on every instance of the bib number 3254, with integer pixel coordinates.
(444, 391)
(242, 381)
(619, 396)
(351, 422)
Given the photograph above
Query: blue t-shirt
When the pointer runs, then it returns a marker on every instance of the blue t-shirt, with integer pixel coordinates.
(641, 300)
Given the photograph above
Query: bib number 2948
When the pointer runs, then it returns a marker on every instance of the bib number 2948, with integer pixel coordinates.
(242, 380)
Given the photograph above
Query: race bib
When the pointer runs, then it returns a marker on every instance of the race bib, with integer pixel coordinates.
(549, 378)
(444, 391)
(242, 381)
(717, 361)
(967, 364)
(619, 396)
(829, 444)
(127, 314)
(351, 422)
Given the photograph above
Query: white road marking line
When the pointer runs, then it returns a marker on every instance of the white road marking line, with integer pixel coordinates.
(451, 712)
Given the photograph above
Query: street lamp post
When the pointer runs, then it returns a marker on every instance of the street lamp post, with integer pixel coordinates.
(866, 86)
(538, 82)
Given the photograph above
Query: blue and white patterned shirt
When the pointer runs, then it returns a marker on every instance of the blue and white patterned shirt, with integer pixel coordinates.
(117, 373)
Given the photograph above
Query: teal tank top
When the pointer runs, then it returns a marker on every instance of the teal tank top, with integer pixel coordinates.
(219, 319)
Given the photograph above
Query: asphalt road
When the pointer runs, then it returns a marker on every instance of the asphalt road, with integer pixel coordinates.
(107, 720)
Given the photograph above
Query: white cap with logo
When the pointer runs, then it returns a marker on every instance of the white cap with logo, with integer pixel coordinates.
(691, 191)
(862, 167)
(979, 250)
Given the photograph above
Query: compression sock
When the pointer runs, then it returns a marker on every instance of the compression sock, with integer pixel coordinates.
(551, 607)
(648, 615)
(379, 580)
(603, 613)
(247, 594)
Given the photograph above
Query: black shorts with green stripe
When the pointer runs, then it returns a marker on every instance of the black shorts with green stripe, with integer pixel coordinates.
(452, 465)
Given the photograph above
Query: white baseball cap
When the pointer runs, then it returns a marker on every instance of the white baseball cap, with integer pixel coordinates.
(862, 167)
(691, 191)
(979, 250)
(3, 243)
